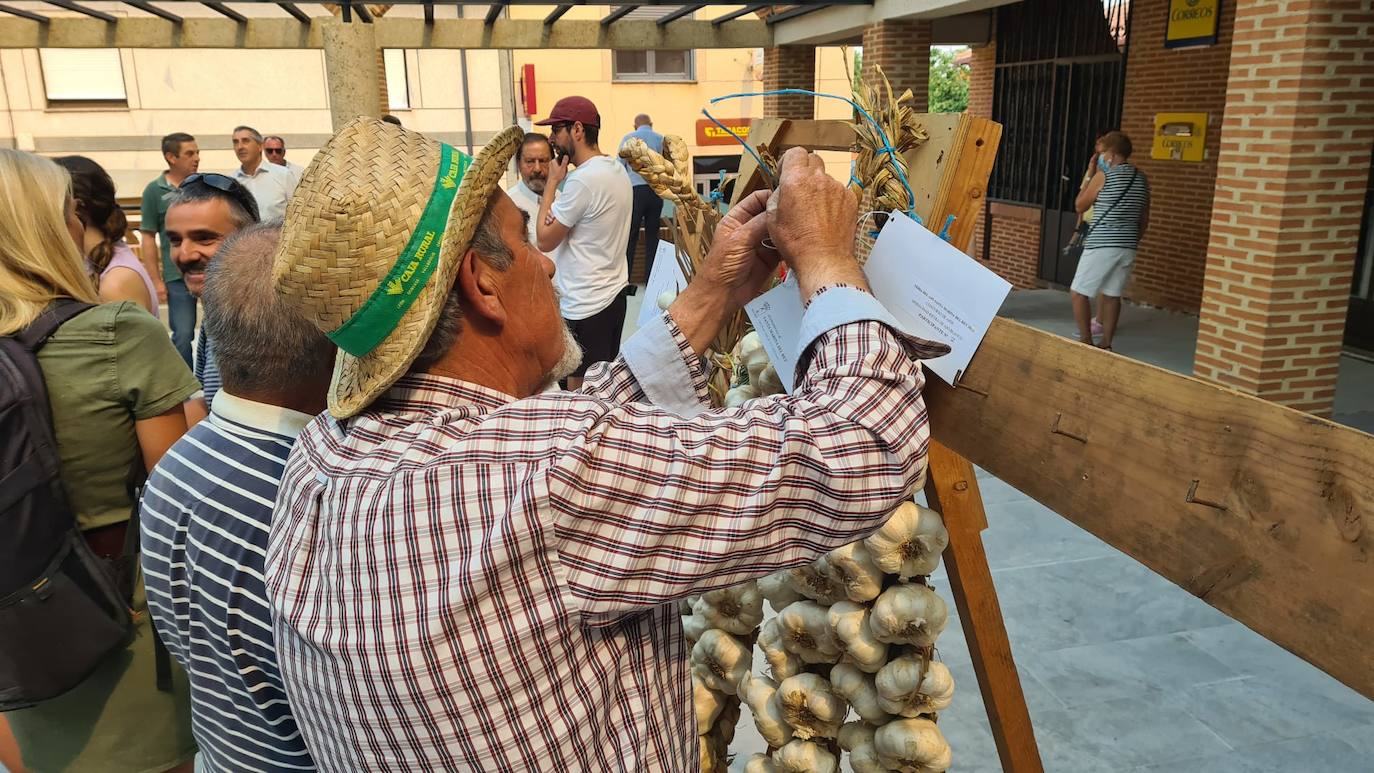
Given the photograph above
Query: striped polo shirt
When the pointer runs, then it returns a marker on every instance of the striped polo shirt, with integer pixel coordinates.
(205, 518)
(1117, 211)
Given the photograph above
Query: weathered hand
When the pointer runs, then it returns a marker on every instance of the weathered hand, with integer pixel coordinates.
(814, 223)
(736, 263)
(558, 170)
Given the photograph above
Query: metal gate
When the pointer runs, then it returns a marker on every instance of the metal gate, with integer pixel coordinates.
(1359, 324)
(1058, 86)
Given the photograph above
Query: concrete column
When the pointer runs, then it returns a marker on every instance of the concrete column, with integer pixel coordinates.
(789, 67)
(902, 48)
(351, 65)
(1290, 190)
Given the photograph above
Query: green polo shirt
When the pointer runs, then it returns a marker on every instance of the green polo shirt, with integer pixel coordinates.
(154, 220)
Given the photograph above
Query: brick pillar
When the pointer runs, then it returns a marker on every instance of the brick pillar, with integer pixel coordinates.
(1291, 179)
(902, 49)
(789, 67)
(980, 79)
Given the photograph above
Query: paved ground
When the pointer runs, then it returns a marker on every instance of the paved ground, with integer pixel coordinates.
(1122, 670)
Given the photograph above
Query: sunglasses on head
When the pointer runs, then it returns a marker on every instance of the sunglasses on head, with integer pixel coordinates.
(226, 184)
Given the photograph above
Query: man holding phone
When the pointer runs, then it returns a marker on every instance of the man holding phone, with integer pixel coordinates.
(583, 228)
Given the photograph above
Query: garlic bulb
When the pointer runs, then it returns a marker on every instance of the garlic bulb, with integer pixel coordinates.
(737, 610)
(902, 689)
(707, 703)
(777, 588)
(853, 566)
(750, 351)
(804, 757)
(857, 739)
(740, 395)
(811, 706)
(857, 688)
(806, 632)
(759, 693)
(782, 662)
(817, 581)
(666, 298)
(693, 626)
(768, 382)
(760, 763)
(908, 614)
(720, 660)
(910, 542)
(912, 746)
(857, 643)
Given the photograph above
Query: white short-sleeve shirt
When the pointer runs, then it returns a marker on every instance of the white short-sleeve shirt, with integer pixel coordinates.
(271, 186)
(528, 201)
(595, 204)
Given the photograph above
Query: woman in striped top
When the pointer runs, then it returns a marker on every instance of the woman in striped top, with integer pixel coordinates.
(1119, 195)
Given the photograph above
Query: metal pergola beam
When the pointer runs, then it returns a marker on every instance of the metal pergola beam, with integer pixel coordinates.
(672, 16)
(147, 7)
(745, 11)
(23, 14)
(295, 12)
(794, 12)
(557, 13)
(494, 12)
(279, 32)
(225, 10)
(81, 9)
(615, 15)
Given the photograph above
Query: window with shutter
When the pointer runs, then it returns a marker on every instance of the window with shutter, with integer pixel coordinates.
(82, 75)
(652, 65)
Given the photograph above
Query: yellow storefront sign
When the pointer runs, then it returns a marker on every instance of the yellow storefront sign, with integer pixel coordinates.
(1192, 23)
(1179, 136)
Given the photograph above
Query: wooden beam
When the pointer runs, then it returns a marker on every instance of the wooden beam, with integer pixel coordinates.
(783, 133)
(1263, 512)
(952, 489)
(302, 31)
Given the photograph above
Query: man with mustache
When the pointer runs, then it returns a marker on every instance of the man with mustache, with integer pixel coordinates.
(204, 211)
(532, 162)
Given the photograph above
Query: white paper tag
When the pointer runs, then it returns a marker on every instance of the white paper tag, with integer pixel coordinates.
(777, 318)
(934, 290)
(665, 275)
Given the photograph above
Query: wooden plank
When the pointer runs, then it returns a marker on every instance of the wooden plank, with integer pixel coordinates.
(1261, 511)
(952, 489)
(974, 144)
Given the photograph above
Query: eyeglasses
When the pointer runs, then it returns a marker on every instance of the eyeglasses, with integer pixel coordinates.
(274, 151)
(228, 185)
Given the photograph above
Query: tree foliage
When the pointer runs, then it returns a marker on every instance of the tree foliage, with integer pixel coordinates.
(948, 82)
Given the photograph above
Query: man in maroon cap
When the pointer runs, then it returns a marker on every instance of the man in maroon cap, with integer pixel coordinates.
(583, 226)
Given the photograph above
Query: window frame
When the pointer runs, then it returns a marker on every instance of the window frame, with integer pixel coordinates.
(651, 74)
(105, 102)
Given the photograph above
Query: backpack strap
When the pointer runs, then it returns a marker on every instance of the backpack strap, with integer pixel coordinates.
(37, 333)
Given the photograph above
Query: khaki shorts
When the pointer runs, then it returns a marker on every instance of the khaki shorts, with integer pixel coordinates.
(1103, 270)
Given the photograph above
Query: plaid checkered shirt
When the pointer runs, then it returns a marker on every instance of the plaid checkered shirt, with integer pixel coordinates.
(464, 581)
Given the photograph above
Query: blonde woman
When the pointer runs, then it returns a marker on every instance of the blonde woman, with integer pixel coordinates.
(116, 387)
(119, 275)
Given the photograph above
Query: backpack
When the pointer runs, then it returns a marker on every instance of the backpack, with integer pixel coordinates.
(61, 608)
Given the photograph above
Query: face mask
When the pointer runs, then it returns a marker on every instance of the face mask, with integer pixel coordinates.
(1102, 164)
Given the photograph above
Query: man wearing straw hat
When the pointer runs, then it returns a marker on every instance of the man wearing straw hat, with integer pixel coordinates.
(467, 574)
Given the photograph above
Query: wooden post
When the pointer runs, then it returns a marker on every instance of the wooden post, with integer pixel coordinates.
(350, 63)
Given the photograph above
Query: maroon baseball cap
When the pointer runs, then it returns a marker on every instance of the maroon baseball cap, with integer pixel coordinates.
(572, 109)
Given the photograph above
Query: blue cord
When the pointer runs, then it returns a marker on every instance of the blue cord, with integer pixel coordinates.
(944, 232)
(771, 182)
(886, 148)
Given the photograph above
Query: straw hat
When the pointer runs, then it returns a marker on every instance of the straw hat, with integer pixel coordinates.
(372, 241)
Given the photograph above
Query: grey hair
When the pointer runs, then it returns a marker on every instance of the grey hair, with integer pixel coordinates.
(262, 344)
(276, 137)
(488, 244)
(257, 135)
(243, 208)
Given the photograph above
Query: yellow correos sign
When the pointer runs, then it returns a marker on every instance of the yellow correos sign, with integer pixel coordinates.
(1192, 23)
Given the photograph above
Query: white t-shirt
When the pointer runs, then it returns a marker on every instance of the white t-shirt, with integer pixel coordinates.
(595, 204)
(525, 199)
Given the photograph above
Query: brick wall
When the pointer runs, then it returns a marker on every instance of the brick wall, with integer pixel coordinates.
(1169, 267)
(980, 104)
(1291, 181)
(1014, 249)
(902, 49)
(789, 67)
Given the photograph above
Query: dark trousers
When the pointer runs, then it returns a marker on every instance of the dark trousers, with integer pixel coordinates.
(181, 317)
(599, 335)
(648, 210)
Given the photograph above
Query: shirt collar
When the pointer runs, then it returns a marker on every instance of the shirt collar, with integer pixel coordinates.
(262, 416)
(262, 169)
(429, 392)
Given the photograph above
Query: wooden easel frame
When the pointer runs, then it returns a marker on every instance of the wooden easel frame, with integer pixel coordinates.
(949, 176)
